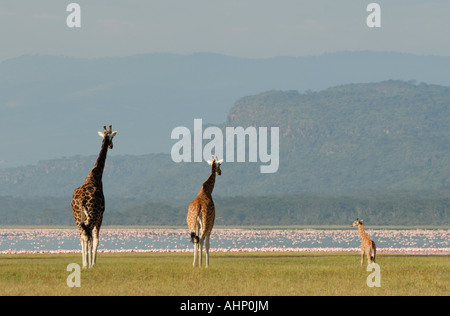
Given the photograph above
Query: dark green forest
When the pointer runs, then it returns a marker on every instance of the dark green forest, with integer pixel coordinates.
(401, 208)
(378, 151)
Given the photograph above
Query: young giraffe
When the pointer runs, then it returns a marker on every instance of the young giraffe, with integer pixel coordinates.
(201, 213)
(88, 203)
(367, 244)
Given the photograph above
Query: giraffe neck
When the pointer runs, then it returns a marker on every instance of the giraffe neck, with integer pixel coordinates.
(208, 185)
(95, 176)
(362, 233)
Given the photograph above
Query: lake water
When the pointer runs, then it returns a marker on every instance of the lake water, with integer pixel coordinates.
(413, 241)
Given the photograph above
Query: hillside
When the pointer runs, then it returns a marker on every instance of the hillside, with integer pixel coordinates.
(64, 101)
(377, 149)
(391, 135)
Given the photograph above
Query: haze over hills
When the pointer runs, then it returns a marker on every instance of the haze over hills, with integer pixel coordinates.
(378, 149)
(52, 106)
(391, 135)
(353, 142)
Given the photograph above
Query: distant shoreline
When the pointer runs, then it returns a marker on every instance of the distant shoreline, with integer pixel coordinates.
(140, 239)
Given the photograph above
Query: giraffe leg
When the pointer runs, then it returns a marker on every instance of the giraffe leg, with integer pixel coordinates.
(200, 250)
(207, 250)
(362, 256)
(89, 252)
(194, 264)
(369, 255)
(94, 245)
(196, 242)
(84, 242)
(374, 252)
(199, 230)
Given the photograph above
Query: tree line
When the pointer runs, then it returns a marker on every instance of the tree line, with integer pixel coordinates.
(403, 209)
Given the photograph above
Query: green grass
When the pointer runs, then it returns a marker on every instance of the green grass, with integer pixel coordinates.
(244, 274)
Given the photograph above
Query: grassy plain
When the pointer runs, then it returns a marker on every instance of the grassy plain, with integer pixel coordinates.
(238, 274)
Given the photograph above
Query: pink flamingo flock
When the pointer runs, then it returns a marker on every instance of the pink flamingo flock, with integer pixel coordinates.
(51, 241)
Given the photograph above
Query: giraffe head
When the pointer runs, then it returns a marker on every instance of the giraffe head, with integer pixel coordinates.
(215, 163)
(108, 135)
(356, 222)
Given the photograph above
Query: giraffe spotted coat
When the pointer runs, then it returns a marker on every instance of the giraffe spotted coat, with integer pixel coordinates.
(201, 214)
(367, 245)
(88, 203)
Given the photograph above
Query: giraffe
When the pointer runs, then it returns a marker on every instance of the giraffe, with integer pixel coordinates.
(367, 244)
(201, 213)
(88, 203)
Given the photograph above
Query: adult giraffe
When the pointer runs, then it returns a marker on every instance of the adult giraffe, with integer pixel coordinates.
(201, 214)
(88, 203)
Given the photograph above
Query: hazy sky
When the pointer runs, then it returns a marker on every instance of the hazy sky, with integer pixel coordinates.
(243, 28)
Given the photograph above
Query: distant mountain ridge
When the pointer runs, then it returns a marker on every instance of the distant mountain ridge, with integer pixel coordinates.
(391, 135)
(64, 101)
(376, 149)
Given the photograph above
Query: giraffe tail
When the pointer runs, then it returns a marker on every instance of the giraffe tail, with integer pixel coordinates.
(85, 223)
(194, 238)
(86, 230)
(372, 252)
(192, 220)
